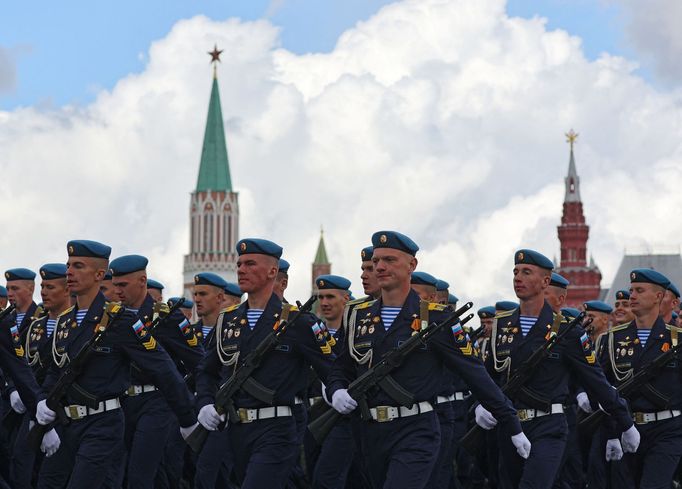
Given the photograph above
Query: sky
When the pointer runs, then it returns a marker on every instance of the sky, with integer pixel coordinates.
(443, 119)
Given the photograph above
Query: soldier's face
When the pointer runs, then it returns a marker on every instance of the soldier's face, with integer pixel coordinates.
(3, 302)
(107, 289)
(600, 321)
(668, 303)
(281, 283)
(54, 294)
(208, 299)
(130, 288)
(556, 296)
(20, 293)
(425, 292)
(84, 272)
(487, 323)
(622, 312)
(530, 281)
(332, 302)
(645, 297)
(369, 279)
(256, 272)
(392, 268)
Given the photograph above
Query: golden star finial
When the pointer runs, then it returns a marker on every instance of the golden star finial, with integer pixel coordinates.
(571, 136)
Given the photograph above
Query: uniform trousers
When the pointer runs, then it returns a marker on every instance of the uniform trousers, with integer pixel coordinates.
(23, 458)
(443, 471)
(335, 457)
(215, 461)
(571, 474)
(401, 453)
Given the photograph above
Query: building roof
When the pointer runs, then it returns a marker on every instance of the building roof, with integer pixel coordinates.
(669, 265)
(214, 169)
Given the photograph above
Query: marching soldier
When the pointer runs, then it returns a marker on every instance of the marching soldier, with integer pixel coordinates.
(670, 301)
(621, 308)
(155, 289)
(265, 443)
(233, 295)
(107, 288)
(555, 294)
(442, 292)
(92, 403)
(600, 312)
(148, 416)
(209, 295)
(540, 403)
(20, 288)
(282, 280)
(186, 307)
(400, 442)
(370, 284)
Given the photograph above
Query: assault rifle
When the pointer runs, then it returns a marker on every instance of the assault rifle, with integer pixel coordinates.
(631, 386)
(242, 378)
(380, 376)
(474, 437)
(7, 311)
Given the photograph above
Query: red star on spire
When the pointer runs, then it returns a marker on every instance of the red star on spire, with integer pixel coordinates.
(215, 54)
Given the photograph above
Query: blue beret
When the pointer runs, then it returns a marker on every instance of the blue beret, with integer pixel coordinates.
(350, 297)
(674, 290)
(3, 291)
(531, 257)
(598, 306)
(505, 305)
(646, 275)
(570, 312)
(623, 295)
(442, 285)
(486, 312)
(85, 247)
(423, 278)
(367, 253)
(52, 271)
(452, 299)
(332, 282)
(259, 247)
(154, 284)
(283, 266)
(558, 281)
(188, 304)
(126, 264)
(107, 276)
(233, 289)
(19, 274)
(208, 278)
(395, 240)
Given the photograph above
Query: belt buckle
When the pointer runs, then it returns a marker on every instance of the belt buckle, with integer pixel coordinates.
(131, 391)
(73, 412)
(382, 414)
(523, 415)
(639, 418)
(243, 415)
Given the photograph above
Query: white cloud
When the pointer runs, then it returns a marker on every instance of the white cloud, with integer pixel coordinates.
(442, 119)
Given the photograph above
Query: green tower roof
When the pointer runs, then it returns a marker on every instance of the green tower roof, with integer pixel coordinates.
(321, 255)
(214, 170)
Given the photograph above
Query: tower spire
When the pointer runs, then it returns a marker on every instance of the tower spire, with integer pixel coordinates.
(321, 254)
(572, 180)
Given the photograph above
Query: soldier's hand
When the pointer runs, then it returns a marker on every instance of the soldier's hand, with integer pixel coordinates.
(185, 432)
(209, 417)
(522, 444)
(613, 450)
(45, 415)
(342, 402)
(16, 402)
(50, 443)
(630, 440)
(484, 418)
(584, 402)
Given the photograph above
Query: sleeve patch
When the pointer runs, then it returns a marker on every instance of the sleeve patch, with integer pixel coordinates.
(325, 341)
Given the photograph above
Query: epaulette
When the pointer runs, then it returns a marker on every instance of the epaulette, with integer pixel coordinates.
(66, 312)
(435, 306)
(293, 308)
(504, 314)
(672, 327)
(620, 327)
(230, 308)
(355, 302)
(365, 305)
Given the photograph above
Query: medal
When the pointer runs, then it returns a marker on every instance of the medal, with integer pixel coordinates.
(237, 332)
(230, 332)
(363, 330)
(370, 330)
(511, 338)
(376, 319)
(631, 351)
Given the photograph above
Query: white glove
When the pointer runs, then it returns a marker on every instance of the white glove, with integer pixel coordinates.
(613, 450)
(484, 418)
(584, 402)
(522, 444)
(45, 415)
(630, 440)
(209, 417)
(50, 443)
(185, 432)
(342, 402)
(16, 402)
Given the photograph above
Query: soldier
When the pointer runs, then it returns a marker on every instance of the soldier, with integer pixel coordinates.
(233, 295)
(96, 427)
(370, 285)
(148, 416)
(670, 301)
(155, 289)
(107, 288)
(518, 334)
(442, 292)
(600, 313)
(452, 300)
(209, 295)
(282, 280)
(621, 308)
(555, 294)
(656, 407)
(400, 442)
(265, 442)
(186, 307)
(20, 288)
(3, 297)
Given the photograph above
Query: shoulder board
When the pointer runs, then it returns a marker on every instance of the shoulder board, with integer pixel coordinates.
(620, 327)
(504, 314)
(66, 312)
(434, 306)
(673, 328)
(230, 308)
(365, 305)
(293, 308)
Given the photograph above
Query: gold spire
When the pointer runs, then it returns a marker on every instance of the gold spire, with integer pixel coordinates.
(571, 136)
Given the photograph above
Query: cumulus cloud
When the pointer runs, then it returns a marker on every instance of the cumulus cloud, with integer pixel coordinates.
(442, 119)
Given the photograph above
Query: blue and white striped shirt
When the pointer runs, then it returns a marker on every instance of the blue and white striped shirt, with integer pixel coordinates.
(527, 322)
(80, 315)
(643, 335)
(205, 330)
(253, 315)
(20, 317)
(388, 315)
(51, 323)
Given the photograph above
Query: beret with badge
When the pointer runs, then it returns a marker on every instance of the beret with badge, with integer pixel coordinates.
(88, 248)
(154, 284)
(332, 282)
(208, 278)
(366, 253)
(52, 271)
(598, 306)
(558, 281)
(532, 257)
(486, 312)
(19, 274)
(423, 278)
(233, 289)
(622, 295)
(394, 240)
(259, 246)
(123, 265)
(649, 276)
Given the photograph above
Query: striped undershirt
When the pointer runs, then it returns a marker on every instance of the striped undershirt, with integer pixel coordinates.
(134, 311)
(20, 317)
(253, 315)
(80, 315)
(51, 323)
(332, 331)
(527, 322)
(206, 330)
(388, 315)
(643, 335)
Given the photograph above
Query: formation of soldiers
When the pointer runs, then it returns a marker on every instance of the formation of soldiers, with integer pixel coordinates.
(108, 386)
